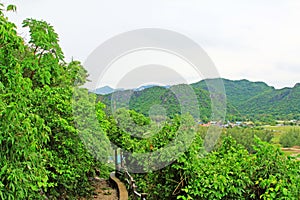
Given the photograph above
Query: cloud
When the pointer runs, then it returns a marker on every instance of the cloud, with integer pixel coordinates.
(246, 39)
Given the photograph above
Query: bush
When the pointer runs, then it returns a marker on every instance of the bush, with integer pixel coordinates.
(290, 138)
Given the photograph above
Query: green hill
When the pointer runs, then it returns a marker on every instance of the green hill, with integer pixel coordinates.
(238, 91)
(245, 99)
(168, 99)
(177, 99)
(282, 103)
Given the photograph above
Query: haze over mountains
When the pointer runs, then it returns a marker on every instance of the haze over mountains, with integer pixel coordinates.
(108, 90)
(245, 99)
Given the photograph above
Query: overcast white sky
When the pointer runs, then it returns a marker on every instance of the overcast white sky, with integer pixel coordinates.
(253, 39)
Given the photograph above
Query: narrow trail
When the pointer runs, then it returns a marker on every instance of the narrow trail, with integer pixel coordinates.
(103, 190)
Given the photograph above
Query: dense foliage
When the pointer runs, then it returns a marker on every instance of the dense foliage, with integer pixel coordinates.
(232, 173)
(246, 136)
(41, 153)
(241, 166)
(290, 138)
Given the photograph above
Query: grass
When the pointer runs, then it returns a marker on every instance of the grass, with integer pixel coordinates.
(279, 130)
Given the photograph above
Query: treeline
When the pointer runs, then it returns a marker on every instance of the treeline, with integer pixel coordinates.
(290, 138)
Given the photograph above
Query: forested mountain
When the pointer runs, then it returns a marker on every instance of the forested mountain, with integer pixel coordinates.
(245, 99)
(145, 100)
(281, 103)
(237, 92)
(258, 100)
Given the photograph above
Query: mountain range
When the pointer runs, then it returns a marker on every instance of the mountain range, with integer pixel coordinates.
(245, 100)
(108, 90)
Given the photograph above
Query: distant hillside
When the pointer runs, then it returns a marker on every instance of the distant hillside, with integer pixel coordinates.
(282, 102)
(104, 90)
(238, 92)
(257, 99)
(244, 99)
(144, 100)
(108, 90)
(148, 86)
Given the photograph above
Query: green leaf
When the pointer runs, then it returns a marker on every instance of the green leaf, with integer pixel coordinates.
(11, 8)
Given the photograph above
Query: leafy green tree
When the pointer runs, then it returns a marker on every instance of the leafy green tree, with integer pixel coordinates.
(232, 173)
(42, 154)
(219, 175)
(246, 136)
(23, 133)
(290, 138)
(274, 175)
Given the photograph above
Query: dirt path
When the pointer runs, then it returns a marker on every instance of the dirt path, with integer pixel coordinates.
(294, 151)
(103, 190)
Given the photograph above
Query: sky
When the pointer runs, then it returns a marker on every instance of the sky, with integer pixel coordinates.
(251, 39)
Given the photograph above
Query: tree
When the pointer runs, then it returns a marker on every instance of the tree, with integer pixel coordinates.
(42, 154)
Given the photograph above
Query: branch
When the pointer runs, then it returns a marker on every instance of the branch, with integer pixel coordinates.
(41, 56)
